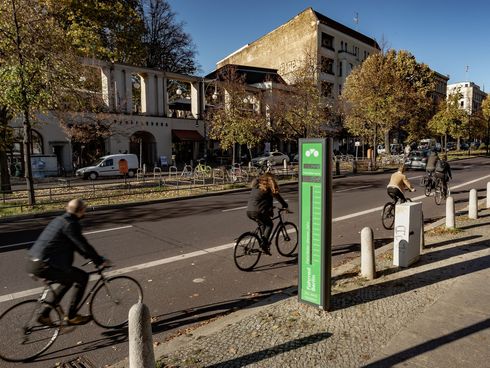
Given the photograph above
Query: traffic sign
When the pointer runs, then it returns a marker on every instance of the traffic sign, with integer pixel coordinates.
(315, 199)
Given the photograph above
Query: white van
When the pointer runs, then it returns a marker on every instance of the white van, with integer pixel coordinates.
(109, 166)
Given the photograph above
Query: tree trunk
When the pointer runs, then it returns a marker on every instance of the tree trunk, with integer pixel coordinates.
(4, 173)
(445, 142)
(375, 148)
(387, 143)
(27, 160)
(458, 144)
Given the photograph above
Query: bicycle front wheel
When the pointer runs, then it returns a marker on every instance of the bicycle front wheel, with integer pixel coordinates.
(24, 338)
(388, 216)
(287, 239)
(247, 251)
(112, 300)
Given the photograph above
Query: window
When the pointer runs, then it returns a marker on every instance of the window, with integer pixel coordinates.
(326, 65)
(462, 103)
(108, 163)
(327, 88)
(340, 68)
(340, 89)
(327, 41)
(341, 45)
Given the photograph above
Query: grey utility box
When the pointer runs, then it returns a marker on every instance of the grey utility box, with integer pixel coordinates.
(408, 233)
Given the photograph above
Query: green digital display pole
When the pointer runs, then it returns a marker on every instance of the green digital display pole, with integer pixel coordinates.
(315, 231)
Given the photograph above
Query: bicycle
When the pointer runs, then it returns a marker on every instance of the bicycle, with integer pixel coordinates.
(248, 251)
(388, 213)
(203, 170)
(428, 182)
(110, 301)
(237, 174)
(439, 192)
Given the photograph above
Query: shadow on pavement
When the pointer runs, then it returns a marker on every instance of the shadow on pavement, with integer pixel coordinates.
(452, 241)
(257, 356)
(472, 226)
(433, 344)
(409, 283)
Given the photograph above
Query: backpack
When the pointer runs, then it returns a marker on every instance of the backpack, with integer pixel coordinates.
(441, 166)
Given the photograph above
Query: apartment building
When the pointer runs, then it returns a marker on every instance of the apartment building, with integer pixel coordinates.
(336, 48)
(471, 95)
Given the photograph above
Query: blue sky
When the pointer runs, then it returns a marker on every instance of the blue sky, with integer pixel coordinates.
(447, 35)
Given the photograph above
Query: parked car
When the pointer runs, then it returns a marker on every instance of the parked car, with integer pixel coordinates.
(380, 149)
(451, 146)
(109, 166)
(417, 159)
(275, 158)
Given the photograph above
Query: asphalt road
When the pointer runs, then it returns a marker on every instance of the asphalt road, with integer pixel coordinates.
(181, 253)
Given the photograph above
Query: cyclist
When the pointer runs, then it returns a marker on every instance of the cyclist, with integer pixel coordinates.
(260, 205)
(443, 171)
(51, 258)
(398, 183)
(431, 163)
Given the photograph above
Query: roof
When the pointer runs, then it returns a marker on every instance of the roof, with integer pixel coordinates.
(253, 74)
(346, 30)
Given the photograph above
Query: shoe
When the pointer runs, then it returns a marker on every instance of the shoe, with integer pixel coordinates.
(79, 320)
(265, 247)
(45, 320)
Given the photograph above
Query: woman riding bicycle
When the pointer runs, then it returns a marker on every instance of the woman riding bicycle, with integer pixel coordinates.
(260, 205)
(398, 183)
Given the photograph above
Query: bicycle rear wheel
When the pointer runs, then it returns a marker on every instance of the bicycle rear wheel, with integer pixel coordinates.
(438, 194)
(287, 239)
(247, 251)
(112, 300)
(23, 337)
(388, 216)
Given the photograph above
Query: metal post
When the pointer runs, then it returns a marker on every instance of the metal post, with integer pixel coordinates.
(368, 266)
(473, 205)
(337, 167)
(450, 222)
(488, 195)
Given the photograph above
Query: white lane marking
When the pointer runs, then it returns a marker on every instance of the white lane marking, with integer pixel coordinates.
(243, 207)
(346, 190)
(198, 253)
(86, 233)
(415, 177)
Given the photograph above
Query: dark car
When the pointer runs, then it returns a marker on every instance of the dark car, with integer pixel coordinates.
(417, 159)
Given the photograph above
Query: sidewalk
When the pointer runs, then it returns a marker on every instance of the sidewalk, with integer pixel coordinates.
(433, 314)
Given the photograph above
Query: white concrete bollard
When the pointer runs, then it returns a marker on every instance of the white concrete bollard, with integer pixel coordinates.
(368, 266)
(141, 353)
(488, 195)
(450, 222)
(473, 205)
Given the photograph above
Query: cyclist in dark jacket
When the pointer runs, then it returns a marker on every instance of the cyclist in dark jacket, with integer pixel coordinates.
(260, 205)
(51, 258)
(443, 172)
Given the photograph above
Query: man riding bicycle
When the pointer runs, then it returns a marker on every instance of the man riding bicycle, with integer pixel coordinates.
(443, 172)
(260, 205)
(398, 183)
(51, 258)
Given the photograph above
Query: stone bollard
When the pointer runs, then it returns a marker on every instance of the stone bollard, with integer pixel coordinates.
(337, 167)
(473, 205)
(140, 339)
(450, 223)
(488, 195)
(368, 266)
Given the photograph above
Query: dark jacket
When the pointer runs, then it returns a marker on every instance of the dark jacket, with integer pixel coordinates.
(57, 244)
(262, 202)
(432, 161)
(443, 168)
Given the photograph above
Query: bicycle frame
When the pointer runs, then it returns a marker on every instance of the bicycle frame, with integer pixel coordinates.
(276, 228)
(49, 288)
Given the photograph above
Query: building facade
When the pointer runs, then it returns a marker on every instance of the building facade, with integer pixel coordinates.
(335, 48)
(471, 95)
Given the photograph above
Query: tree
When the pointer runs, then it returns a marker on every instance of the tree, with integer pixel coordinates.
(37, 66)
(485, 108)
(236, 119)
(388, 88)
(303, 109)
(166, 44)
(6, 140)
(450, 119)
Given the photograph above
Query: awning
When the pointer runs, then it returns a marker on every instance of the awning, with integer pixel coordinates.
(187, 135)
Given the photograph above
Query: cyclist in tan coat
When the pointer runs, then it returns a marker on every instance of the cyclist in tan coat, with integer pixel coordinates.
(398, 184)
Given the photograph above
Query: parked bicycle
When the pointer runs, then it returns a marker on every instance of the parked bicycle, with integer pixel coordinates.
(203, 170)
(388, 213)
(440, 193)
(247, 251)
(24, 338)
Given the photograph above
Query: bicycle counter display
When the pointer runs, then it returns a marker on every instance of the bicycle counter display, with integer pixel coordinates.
(315, 255)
